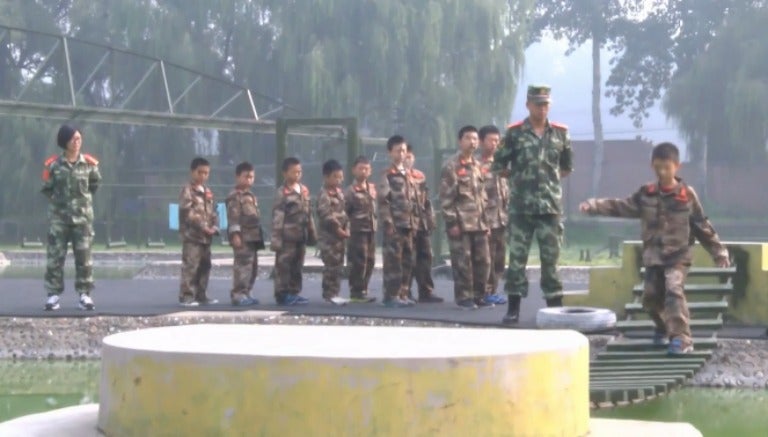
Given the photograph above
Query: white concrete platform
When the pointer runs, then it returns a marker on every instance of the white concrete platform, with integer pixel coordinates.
(81, 421)
(288, 380)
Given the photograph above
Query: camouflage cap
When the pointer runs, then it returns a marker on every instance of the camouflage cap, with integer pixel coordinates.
(539, 93)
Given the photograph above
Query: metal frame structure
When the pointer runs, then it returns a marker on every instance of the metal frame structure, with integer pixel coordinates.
(257, 106)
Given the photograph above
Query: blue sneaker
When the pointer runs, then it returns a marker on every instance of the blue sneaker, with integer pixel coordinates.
(301, 300)
(292, 300)
(467, 304)
(485, 302)
(245, 301)
(660, 339)
(499, 299)
(396, 303)
(676, 347)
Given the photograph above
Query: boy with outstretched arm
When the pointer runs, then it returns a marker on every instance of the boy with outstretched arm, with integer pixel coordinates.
(333, 231)
(293, 229)
(671, 219)
(198, 223)
(245, 235)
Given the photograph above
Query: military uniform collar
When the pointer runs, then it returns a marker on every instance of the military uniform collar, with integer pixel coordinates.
(528, 126)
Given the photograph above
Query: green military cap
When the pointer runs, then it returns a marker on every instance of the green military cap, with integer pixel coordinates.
(539, 93)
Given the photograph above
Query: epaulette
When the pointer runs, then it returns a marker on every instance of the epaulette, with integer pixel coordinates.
(682, 195)
(515, 124)
(304, 190)
(208, 193)
(287, 190)
(51, 159)
(650, 188)
(392, 170)
(558, 125)
(417, 174)
(90, 159)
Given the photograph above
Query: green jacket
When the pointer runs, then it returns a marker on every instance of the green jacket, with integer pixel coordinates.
(69, 188)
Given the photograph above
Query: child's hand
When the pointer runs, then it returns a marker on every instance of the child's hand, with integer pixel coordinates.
(454, 232)
(723, 262)
(210, 231)
(236, 241)
(341, 233)
(584, 207)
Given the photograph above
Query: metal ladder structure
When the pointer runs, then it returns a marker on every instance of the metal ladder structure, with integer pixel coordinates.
(633, 369)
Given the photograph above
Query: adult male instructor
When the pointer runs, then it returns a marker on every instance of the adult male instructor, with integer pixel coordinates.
(535, 156)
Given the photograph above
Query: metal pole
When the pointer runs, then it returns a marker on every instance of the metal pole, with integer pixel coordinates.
(165, 85)
(40, 70)
(281, 138)
(353, 143)
(69, 71)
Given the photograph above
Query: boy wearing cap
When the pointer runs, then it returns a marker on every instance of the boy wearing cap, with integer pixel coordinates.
(535, 156)
(69, 181)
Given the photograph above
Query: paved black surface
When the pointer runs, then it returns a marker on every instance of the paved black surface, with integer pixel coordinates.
(128, 297)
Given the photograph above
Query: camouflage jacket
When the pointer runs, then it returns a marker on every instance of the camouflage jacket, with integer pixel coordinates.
(425, 212)
(462, 194)
(243, 216)
(497, 195)
(535, 165)
(360, 202)
(332, 215)
(197, 212)
(670, 223)
(292, 217)
(69, 188)
(397, 199)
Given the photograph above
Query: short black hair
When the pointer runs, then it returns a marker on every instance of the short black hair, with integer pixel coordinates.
(665, 152)
(488, 130)
(199, 162)
(466, 129)
(243, 167)
(290, 162)
(395, 140)
(362, 159)
(331, 166)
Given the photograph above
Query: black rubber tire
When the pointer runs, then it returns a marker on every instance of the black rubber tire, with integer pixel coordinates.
(582, 319)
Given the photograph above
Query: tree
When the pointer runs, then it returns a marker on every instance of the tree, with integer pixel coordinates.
(721, 101)
(601, 22)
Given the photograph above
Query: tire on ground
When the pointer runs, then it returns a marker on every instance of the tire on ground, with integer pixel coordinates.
(582, 319)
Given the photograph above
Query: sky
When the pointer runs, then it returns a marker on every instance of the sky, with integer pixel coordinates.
(571, 80)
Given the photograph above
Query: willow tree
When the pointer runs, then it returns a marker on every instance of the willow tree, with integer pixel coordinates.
(721, 102)
(436, 64)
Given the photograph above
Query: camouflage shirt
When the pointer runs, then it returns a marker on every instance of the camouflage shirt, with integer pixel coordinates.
(462, 194)
(292, 217)
(671, 221)
(425, 213)
(243, 215)
(197, 212)
(69, 188)
(397, 199)
(331, 214)
(360, 201)
(497, 195)
(535, 164)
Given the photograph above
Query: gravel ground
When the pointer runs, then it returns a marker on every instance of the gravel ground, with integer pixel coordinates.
(736, 363)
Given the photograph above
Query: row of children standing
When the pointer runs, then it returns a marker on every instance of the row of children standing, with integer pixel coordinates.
(347, 222)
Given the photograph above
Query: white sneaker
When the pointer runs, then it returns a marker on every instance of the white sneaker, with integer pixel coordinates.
(86, 303)
(337, 300)
(52, 303)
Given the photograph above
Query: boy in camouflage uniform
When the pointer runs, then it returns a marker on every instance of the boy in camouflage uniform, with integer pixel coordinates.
(333, 230)
(360, 203)
(671, 218)
(497, 193)
(397, 209)
(535, 157)
(293, 229)
(462, 199)
(245, 235)
(69, 182)
(198, 223)
(422, 244)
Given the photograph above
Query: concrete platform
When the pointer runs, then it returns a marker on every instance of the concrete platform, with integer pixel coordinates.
(81, 421)
(343, 380)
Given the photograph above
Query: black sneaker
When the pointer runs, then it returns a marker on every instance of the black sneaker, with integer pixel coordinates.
(484, 302)
(430, 298)
(467, 304)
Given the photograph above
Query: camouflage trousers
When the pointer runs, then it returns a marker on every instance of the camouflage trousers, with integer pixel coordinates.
(548, 230)
(361, 257)
(59, 237)
(497, 248)
(332, 255)
(664, 299)
(245, 269)
(289, 261)
(398, 263)
(195, 270)
(469, 263)
(422, 268)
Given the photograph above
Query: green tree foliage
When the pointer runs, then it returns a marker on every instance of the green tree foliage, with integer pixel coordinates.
(721, 100)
